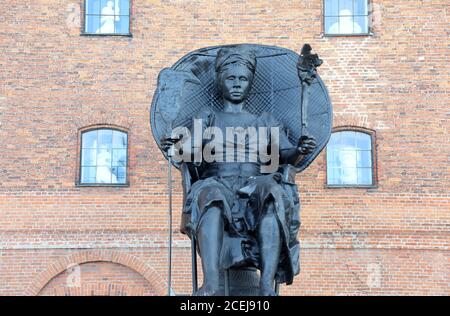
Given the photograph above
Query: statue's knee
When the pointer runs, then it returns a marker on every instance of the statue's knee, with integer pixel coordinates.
(211, 218)
(214, 210)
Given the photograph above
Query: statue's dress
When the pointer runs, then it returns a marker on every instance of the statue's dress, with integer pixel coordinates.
(242, 192)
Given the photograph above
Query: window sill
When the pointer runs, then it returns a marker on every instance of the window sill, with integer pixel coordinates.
(347, 35)
(107, 34)
(119, 185)
(351, 186)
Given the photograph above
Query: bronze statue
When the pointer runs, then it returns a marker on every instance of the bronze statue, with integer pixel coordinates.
(241, 204)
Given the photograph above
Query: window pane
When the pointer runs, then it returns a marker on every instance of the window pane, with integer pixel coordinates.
(330, 160)
(105, 175)
(106, 21)
(360, 7)
(122, 24)
(334, 175)
(363, 141)
(119, 157)
(104, 138)
(347, 26)
(121, 174)
(89, 157)
(335, 139)
(364, 159)
(365, 176)
(348, 158)
(333, 158)
(349, 176)
(105, 4)
(92, 23)
(88, 174)
(345, 7)
(119, 140)
(348, 139)
(360, 25)
(104, 157)
(106, 25)
(89, 139)
(331, 8)
(331, 25)
(93, 6)
(124, 7)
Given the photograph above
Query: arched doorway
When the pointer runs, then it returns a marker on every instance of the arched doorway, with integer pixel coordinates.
(98, 272)
(98, 279)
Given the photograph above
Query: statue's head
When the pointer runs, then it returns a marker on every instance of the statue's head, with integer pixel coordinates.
(235, 69)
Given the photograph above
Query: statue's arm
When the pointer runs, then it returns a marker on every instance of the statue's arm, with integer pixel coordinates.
(290, 156)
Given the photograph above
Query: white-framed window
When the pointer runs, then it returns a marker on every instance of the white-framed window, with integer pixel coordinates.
(346, 17)
(350, 159)
(103, 157)
(107, 17)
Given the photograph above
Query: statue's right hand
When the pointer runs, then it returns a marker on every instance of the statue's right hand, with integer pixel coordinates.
(306, 145)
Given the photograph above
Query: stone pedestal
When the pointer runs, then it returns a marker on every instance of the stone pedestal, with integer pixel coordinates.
(243, 282)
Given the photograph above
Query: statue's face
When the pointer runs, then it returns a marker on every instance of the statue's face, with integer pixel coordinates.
(235, 82)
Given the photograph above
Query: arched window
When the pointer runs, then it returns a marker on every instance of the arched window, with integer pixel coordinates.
(350, 159)
(103, 157)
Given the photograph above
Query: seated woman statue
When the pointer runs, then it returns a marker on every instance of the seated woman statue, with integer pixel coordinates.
(239, 214)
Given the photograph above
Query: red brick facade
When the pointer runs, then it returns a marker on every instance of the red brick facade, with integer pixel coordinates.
(57, 238)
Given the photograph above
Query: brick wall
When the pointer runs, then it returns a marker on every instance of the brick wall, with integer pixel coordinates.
(393, 239)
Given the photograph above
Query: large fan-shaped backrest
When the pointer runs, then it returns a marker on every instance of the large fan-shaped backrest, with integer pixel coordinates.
(190, 86)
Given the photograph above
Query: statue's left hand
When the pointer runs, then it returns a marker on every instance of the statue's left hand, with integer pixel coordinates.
(306, 145)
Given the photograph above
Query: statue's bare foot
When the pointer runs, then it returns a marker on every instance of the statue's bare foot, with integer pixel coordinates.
(267, 291)
(206, 290)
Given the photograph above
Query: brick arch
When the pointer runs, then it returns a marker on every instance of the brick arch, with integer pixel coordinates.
(354, 128)
(361, 120)
(102, 118)
(132, 262)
